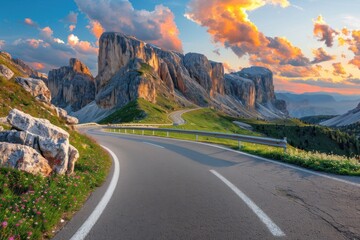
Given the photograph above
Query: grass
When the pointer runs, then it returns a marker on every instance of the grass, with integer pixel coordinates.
(210, 120)
(32, 207)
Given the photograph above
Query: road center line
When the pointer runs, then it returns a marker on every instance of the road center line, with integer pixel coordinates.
(273, 228)
(83, 231)
(155, 145)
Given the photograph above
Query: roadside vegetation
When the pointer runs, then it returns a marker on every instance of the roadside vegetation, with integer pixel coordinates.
(210, 120)
(33, 207)
(317, 119)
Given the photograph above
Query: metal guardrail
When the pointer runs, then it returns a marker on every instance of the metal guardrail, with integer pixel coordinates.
(282, 143)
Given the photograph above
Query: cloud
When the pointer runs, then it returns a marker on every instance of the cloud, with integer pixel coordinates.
(46, 33)
(228, 68)
(321, 56)
(228, 23)
(96, 28)
(157, 27)
(339, 70)
(71, 18)
(323, 32)
(72, 27)
(37, 65)
(83, 47)
(30, 22)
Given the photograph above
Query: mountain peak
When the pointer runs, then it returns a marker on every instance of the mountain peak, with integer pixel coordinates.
(78, 66)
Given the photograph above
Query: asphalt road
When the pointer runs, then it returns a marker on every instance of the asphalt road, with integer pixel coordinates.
(170, 189)
(176, 117)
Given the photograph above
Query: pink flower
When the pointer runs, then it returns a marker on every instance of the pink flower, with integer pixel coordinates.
(29, 233)
(12, 238)
(38, 213)
(4, 224)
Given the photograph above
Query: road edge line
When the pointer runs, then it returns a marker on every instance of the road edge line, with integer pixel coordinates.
(273, 228)
(86, 227)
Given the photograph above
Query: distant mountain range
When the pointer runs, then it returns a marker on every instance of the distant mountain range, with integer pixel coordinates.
(314, 104)
(351, 117)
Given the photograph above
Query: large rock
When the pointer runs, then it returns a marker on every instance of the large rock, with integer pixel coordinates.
(36, 88)
(42, 127)
(1, 128)
(6, 72)
(51, 141)
(23, 158)
(29, 71)
(73, 86)
(242, 89)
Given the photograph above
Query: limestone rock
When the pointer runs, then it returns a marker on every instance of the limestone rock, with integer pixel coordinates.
(23, 158)
(1, 128)
(6, 54)
(73, 157)
(29, 71)
(6, 72)
(71, 120)
(241, 88)
(73, 86)
(41, 127)
(36, 88)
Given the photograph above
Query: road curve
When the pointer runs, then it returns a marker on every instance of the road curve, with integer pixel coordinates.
(171, 189)
(176, 117)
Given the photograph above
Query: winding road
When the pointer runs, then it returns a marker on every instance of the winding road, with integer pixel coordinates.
(176, 116)
(172, 189)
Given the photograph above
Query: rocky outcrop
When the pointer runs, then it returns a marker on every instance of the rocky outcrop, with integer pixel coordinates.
(48, 140)
(6, 72)
(241, 89)
(130, 69)
(29, 70)
(36, 87)
(23, 158)
(72, 87)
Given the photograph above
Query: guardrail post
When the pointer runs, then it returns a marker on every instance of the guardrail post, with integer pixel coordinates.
(125, 131)
(143, 132)
(197, 137)
(239, 144)
(285, 140)
(153, 133)
(133, 131)
(167, 134)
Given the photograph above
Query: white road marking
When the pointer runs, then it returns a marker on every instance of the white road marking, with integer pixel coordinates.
(273, 228)
(155, 145)
(83, 231)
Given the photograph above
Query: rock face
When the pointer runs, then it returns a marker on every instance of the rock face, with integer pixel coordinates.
(23, 158)
(129, 69)
(6, 72)
(36, 88)
(48, 140)
(72, 87)
(29, 70)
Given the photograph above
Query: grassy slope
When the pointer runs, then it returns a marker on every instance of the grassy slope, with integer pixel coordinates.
(142, 111)
(33, 205)
(317, 119)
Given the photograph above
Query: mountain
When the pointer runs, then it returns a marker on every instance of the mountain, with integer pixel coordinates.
(315, 104)
(349, 118)
(72, 87)
(129, 69)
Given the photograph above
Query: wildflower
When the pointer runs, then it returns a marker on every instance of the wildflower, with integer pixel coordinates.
(4, 224)
(12, 238)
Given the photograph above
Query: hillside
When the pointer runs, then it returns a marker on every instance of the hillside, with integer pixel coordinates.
(351, 117)
(68, 192)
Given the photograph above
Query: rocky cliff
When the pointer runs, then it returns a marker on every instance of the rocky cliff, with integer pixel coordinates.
(130, 68)
(351, 117)
(72, 87)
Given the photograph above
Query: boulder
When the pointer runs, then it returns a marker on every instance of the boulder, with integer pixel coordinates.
(6, 54)
(6, 72)
(1, 128)
(36, 88)
(42, 127)
(23, 158)
(71, 120)
(51, 141)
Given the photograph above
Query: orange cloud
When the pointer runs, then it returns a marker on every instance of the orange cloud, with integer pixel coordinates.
(228, 67)
(324, 32)
(37, 65)
(321, 56)
(30, 22)
(228, 23)
(96, 29)
(338, 69)
(72, 27)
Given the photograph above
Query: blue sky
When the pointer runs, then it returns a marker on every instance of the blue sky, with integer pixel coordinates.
(295, 23)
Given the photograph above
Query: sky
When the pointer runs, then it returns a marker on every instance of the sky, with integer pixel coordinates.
(310, 45)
